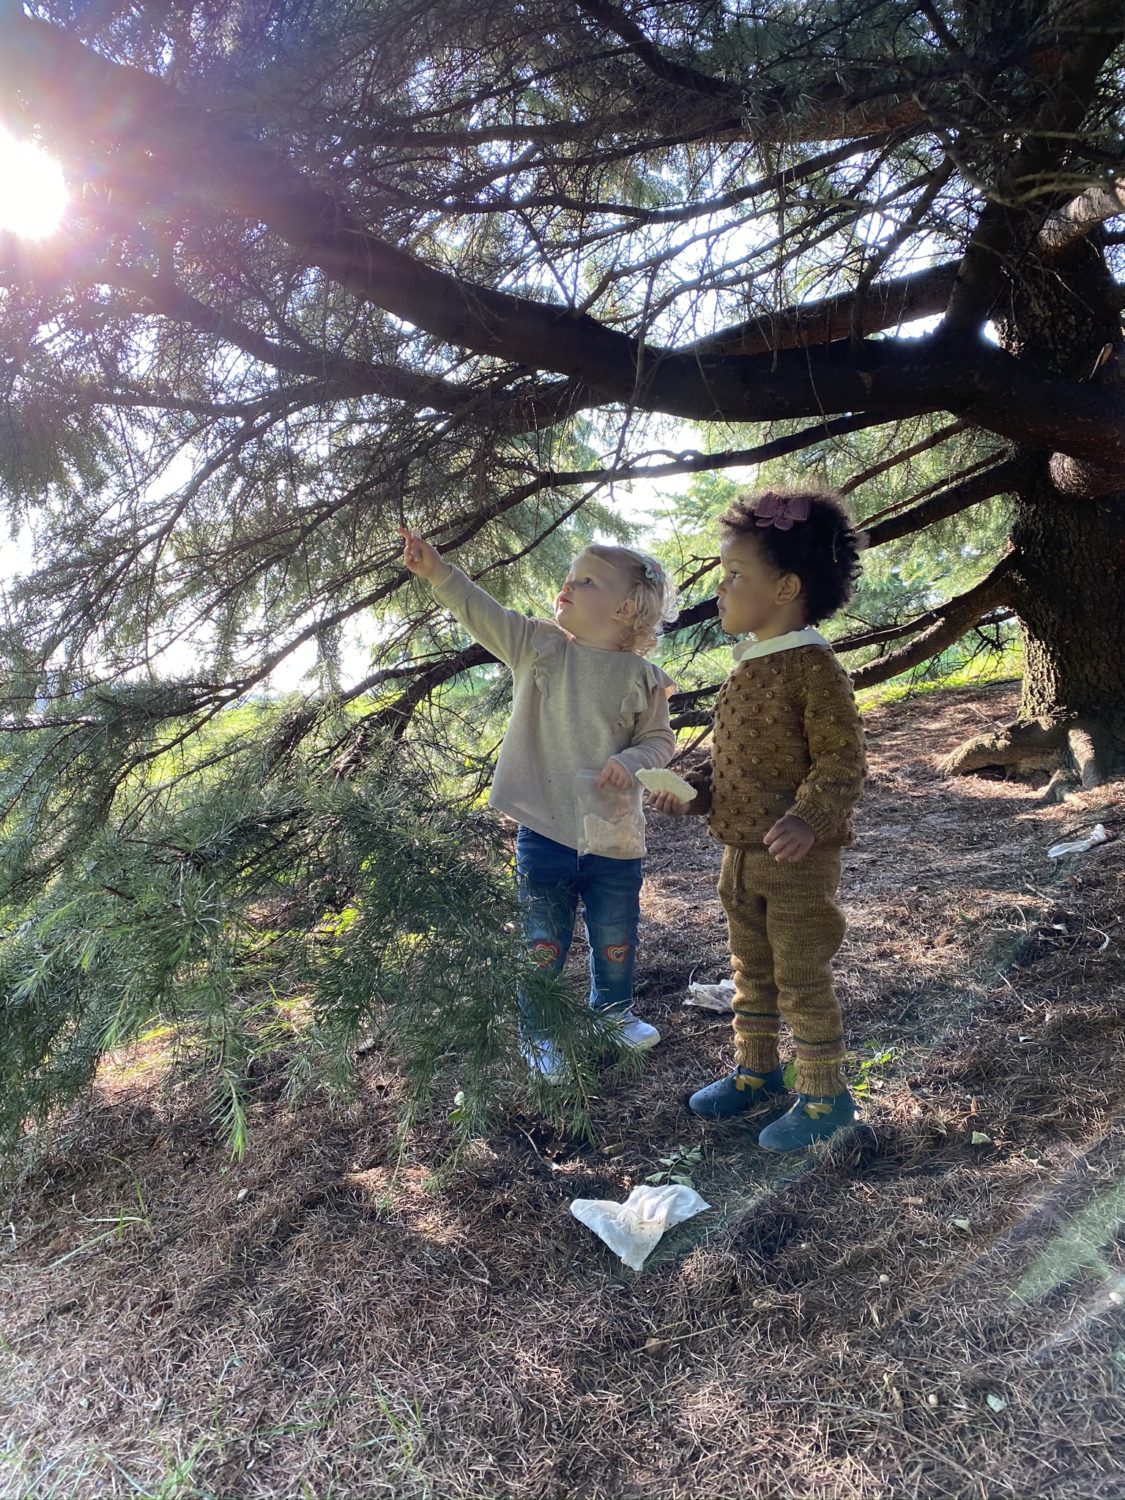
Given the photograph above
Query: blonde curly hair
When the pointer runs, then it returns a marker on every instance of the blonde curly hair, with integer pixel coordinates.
(651, 591)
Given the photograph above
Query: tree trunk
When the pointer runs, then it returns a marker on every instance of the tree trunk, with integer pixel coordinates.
(1068, 587)
(1067, 578)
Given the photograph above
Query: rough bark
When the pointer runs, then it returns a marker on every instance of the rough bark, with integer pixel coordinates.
(1067, 575)
(1068, 585)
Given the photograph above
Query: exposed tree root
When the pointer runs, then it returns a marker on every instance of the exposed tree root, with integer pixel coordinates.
(1096, 751)
(1032, 745)
(1061, 785)
(1079, 753)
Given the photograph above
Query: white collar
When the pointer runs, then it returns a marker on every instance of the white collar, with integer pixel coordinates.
(748, 650)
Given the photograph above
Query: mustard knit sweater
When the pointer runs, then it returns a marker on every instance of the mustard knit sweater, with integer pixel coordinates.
(787, 738)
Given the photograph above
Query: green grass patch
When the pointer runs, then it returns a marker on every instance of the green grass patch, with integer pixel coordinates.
(993, 666)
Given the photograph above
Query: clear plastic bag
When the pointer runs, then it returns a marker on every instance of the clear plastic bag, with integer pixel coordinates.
(610, 822)
(1097, 835)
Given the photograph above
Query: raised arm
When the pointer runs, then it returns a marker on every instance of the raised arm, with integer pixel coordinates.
(504, 632)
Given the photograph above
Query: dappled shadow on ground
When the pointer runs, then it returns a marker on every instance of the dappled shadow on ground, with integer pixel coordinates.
(928, 1307)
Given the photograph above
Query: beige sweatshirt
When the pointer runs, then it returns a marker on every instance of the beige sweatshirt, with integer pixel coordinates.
(573, 706)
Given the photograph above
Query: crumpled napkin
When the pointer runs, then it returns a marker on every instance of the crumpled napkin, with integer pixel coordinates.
(633, 1228)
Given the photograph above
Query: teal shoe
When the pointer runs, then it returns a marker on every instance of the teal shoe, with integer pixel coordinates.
(809, 1120)
(735, 1094)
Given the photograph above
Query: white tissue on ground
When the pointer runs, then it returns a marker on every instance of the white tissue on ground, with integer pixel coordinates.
(712, 996)
(1097, 835)
(632, 1229)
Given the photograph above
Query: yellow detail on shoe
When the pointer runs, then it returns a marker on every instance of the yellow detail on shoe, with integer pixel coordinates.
(816, 1110)
(748, 1081)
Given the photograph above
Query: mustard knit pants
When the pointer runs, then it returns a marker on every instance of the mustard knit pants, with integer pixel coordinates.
(785, 928)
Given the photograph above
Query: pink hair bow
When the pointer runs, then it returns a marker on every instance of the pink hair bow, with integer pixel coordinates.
(781, 510)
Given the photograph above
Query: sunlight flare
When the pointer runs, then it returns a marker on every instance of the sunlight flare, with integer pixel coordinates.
(32, 190)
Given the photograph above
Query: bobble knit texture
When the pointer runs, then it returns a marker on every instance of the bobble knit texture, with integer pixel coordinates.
(787, 738)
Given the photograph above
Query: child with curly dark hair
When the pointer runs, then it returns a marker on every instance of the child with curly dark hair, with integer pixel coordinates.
(787, 766)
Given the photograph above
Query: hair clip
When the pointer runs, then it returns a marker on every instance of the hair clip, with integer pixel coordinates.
(653, 572)
(781, 510)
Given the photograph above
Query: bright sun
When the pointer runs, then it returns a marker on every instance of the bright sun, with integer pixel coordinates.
(32, 190)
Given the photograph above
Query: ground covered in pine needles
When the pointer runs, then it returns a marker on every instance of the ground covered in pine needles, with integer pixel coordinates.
(930, 1307)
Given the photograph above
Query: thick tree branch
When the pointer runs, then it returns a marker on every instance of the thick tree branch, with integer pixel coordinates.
(695, 614)
(898, 377)
(888, 303)
(1004, 478)
(664, 68)
(947, 625)
(1080, 217)
(395, 716)
(862, 640)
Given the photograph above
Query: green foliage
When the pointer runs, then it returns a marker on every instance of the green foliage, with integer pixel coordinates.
(901, 579)
(165, 860)
(260, 909)
(868, 1073)
(210, 430)
(679, 1168)
(957, 667)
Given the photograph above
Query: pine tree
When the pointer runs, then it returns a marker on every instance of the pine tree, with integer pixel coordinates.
(329, 269)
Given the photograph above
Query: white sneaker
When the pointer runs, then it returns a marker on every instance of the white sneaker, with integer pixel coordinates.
(544, 1058)
(635, 1033)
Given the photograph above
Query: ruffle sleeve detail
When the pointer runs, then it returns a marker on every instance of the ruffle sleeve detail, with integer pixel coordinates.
(547, 644)
(644, 688)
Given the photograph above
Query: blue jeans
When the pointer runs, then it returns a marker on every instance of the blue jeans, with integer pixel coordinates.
(550, 880)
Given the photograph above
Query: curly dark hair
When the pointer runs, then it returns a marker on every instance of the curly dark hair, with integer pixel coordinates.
(823, 551)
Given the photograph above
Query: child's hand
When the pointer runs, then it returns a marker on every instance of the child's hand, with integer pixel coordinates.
(615, 775)
(668, 804)
(420, 558)
(790, 839)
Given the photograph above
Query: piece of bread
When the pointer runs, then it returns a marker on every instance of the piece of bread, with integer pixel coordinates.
(667, 781)
(615, 838)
